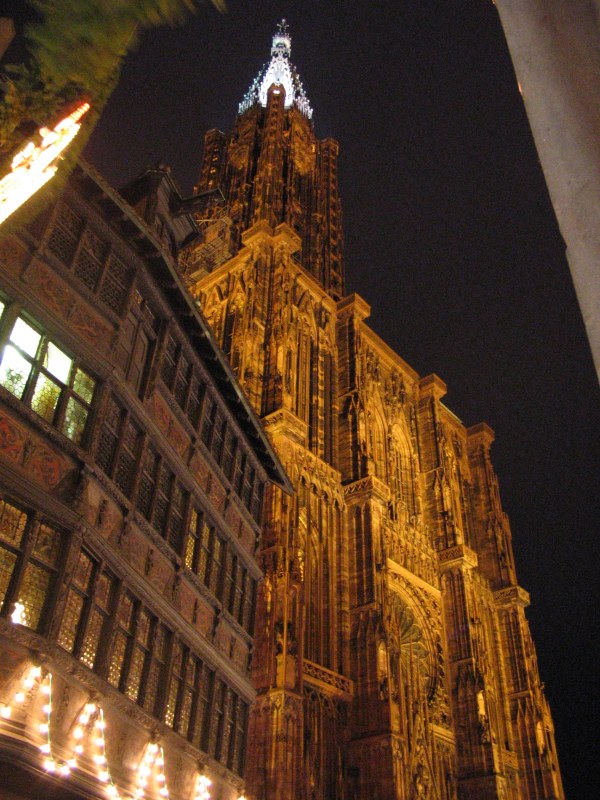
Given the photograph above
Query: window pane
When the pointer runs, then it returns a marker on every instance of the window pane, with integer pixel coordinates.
(45, 397)
(25, 337)
(33, 592)
(75, 419)
(47, 545)
(70, 621)
(83, 571)
(7, 564)
(12, 523)
(14, 371)
(84, 385)
(118, 659)
(58, 363)
(92, 638)
(135, 674)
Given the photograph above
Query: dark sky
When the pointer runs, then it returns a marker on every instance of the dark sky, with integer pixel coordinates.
(450, 236)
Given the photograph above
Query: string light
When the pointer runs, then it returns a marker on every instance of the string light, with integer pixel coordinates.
(33, 166)
(202, 786)
(49, 763)
(28, 682)
(152, 766)
(91, 713)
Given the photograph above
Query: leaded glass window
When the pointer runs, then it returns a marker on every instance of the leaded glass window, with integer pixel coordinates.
(36, 370)
(29, 556)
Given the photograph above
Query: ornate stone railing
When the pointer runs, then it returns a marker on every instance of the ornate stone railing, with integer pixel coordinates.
(327, 681)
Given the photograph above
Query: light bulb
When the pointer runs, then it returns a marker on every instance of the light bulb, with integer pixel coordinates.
(20, 697)
(45, 748)
(5, 712)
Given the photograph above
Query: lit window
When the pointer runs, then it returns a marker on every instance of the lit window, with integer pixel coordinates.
(39, 372)
(29, 555)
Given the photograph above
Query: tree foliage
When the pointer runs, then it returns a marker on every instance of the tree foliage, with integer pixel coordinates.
(77, 50)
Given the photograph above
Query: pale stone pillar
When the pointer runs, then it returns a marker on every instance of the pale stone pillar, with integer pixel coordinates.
(555, 49)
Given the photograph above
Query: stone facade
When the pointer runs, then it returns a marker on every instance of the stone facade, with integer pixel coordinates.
(393, 659)
(132, 472)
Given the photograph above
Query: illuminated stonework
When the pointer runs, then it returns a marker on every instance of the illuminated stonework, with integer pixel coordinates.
(279, 72)
(393, 658)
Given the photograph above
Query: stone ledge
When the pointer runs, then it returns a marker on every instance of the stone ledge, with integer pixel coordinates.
(458, 556)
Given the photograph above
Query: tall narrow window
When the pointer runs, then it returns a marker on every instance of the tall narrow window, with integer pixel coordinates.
(29, 557)
(140, 653)
(175, 689)
(137, 334)
(70, 633)
(122, 641)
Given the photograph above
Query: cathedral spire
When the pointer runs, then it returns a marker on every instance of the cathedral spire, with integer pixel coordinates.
(281, 72)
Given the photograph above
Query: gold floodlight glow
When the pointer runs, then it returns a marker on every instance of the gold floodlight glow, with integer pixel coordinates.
(34, 165)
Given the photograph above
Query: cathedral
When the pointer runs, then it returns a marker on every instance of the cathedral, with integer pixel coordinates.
(392, 655)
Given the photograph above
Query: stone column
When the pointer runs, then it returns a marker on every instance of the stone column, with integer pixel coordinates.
(555, 49)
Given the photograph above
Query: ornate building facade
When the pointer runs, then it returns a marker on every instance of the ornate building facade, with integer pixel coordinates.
(132, 473)
(393, 658)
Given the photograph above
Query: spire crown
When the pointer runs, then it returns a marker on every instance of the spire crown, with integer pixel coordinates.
(281, 72)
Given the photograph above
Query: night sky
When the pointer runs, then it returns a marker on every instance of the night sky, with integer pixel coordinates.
(450, 236)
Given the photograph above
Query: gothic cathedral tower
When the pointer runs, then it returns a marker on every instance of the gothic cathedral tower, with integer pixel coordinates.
(393, 659)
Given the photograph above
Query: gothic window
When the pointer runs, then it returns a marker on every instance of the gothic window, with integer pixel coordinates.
(303, 376)
(363, 556)
(379, 446)
(401, 477)
(328, 389)
(230, 335)
(36, 370)
(29, 558)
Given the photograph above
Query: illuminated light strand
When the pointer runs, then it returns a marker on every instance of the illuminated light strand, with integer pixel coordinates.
(152, 765)
(33, 166)
(202, 785)
(28, 683)
(49, 764)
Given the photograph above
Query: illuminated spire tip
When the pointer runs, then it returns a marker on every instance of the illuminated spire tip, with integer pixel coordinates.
(281, 72)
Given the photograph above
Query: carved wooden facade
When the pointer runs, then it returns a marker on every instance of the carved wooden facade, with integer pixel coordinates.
(132, 471)
(393, 659)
